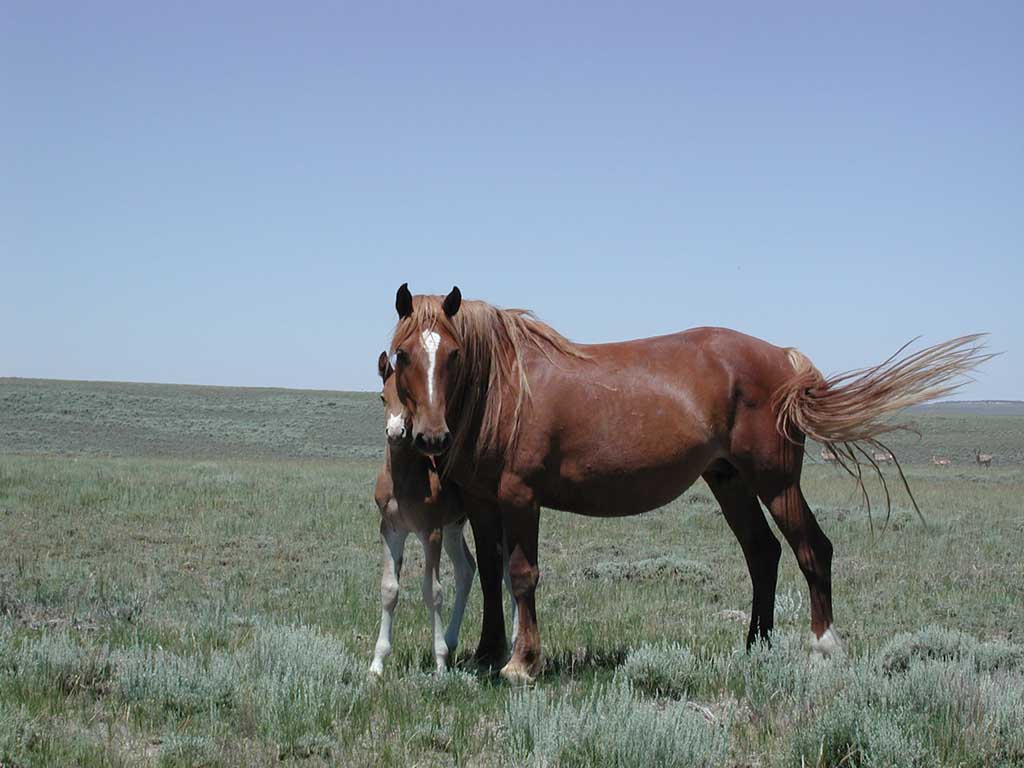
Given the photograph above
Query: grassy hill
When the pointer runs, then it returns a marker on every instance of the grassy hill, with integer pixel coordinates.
(170, 420)
(186, 593)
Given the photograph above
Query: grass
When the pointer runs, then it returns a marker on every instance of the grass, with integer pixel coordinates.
(200, 605)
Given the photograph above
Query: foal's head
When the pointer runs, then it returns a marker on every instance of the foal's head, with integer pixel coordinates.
(426, 360)
(396, 427)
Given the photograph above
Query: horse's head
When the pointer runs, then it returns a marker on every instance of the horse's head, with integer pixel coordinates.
(396, 427)
(425, 362)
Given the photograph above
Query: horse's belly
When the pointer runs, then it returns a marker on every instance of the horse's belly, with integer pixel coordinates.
(589, 490)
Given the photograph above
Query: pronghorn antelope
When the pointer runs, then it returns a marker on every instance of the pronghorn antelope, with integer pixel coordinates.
(941, 461)
(828, 456)
(983, 459)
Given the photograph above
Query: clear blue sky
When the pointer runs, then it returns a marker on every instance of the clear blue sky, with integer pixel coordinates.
(230, 193)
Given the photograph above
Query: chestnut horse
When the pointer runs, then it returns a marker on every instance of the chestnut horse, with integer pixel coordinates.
(412, 499)
(521, 417)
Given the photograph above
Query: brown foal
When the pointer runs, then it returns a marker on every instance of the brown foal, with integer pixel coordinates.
(413, 499)
(520, 417)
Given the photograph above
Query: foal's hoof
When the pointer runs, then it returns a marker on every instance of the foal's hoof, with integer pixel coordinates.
(518, 674)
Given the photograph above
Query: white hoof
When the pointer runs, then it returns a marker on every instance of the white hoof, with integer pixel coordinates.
(826, 646)
(517, 674)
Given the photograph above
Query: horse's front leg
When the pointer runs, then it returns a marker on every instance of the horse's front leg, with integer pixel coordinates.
(522, 527)
(486, 524)
(394, 547)
(432, 595)
(464, 567)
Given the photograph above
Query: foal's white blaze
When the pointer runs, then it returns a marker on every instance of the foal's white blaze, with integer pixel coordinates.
(430, 341)
(827, 644)
(396, 425)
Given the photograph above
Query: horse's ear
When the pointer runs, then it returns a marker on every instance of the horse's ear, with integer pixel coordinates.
(384, 366)
(403, 301)
(452, 302)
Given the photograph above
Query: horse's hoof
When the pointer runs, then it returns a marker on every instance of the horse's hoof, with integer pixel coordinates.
(376, 671)
(826, 646)
(518, 674)
(489, 658)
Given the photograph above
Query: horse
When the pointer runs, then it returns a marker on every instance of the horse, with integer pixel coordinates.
(983, 459)
(412, 498)
(518, 417)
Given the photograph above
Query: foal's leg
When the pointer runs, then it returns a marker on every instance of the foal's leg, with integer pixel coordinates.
(760, 547)
(814, 554)
(394, 546)
(486, 525)
(464, 568)
(522, 529)
(432, 595)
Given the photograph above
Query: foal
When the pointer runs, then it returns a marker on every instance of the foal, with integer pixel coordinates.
(412, 499)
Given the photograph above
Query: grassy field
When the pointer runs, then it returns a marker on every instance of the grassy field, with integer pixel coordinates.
(189, 576)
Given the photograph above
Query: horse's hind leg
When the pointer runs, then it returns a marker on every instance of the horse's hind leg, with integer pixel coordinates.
(521, 526)
(760, 547)
(394, 547)
(813, 552)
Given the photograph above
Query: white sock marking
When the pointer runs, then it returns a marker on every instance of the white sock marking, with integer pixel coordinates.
(430, 340)
(826, 645)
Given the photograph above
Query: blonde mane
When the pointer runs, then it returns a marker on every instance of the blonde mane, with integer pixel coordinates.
(492, 376)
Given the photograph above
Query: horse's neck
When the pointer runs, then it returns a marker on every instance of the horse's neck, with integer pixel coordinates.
(408, 467)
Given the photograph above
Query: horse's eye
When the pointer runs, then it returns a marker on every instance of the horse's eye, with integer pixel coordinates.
(401, 358)
(453, 358)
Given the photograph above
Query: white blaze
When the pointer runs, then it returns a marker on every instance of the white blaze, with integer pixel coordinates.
(396, 425)
(430, 341)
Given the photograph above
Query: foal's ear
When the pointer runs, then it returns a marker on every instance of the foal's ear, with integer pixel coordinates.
(403, 301)
(452, 302)
(384, 366)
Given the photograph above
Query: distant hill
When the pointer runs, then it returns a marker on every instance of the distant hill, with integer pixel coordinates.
(979, 407)
(118, 419)
(174, 420)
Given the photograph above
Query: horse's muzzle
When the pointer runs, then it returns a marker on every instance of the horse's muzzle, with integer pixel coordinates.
(432, 445)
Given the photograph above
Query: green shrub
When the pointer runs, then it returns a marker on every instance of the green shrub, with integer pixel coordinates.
(302, 684)
(939, 644)
(453, 686)
(932, 642)
(664, 670)
(675, 568)
(610, 727)
(848, 733)
(57, 661)
(19, 734)
(995, 655)
(183, 685)
(191, 751)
